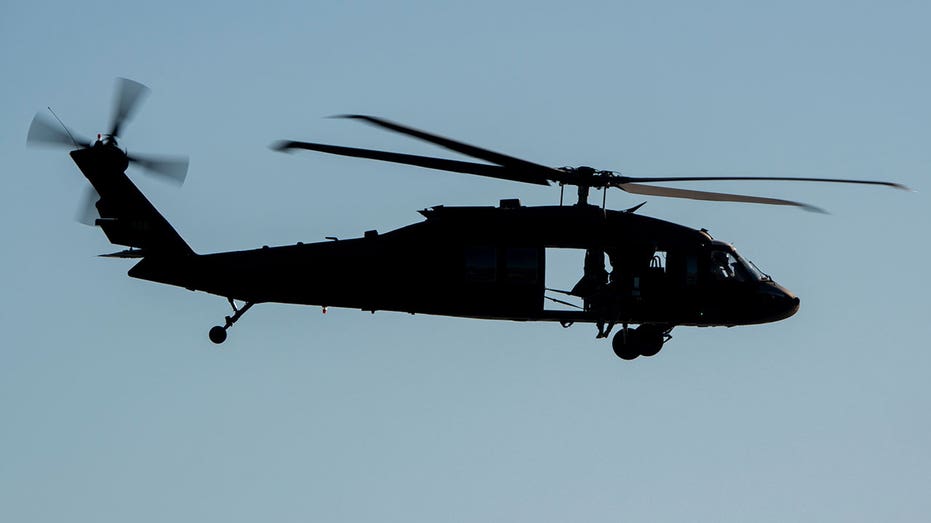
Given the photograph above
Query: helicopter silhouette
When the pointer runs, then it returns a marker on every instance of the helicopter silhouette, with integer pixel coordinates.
(472, 262)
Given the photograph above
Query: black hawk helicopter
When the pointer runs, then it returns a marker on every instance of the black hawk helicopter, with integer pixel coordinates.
(472, 262)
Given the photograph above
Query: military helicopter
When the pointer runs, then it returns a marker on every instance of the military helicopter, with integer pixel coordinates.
(472, 262)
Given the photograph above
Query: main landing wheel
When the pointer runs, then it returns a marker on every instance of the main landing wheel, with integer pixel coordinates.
(651, 339)
(217, 334)
(645, 340)
(624, 344)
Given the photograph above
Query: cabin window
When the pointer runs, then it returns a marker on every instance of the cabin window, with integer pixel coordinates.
(691, 269)
(480, 264)
(521, 264)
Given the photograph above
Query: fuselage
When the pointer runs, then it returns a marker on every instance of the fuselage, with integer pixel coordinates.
(490, 262)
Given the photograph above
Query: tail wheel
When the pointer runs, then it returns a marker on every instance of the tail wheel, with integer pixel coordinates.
(217, 334)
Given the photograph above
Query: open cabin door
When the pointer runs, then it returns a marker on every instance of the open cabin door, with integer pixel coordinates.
(564, 269)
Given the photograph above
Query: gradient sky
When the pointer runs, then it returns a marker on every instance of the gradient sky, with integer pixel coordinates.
(115, 406)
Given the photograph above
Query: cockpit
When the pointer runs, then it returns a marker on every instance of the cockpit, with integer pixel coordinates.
(727, 265)
(742, 293)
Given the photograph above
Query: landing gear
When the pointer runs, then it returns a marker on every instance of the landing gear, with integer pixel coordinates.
(645, 340)
(624, 344)
(218, 334)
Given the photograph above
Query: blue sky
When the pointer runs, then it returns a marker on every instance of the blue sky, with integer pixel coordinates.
(116, 407)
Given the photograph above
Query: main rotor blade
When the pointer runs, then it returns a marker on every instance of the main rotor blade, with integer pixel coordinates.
(626, 179)
(172, 169)
(129, 94)
(442, 164)
(652, 190)
(512, 163)
(87, 209)
(43, 131)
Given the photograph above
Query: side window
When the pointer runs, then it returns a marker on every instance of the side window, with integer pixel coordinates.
(658, 262)
(521, 264)
(480, 264)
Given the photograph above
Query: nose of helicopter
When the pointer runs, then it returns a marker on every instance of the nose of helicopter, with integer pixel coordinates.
(777, 302)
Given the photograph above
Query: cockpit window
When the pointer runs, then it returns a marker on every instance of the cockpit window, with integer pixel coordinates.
(726, 266)
(757, 273)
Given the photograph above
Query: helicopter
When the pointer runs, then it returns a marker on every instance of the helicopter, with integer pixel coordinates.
(482, 262)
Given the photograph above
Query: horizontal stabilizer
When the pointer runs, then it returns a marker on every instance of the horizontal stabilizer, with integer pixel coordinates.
(129, 253)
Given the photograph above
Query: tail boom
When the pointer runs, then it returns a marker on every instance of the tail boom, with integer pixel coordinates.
(126, 216)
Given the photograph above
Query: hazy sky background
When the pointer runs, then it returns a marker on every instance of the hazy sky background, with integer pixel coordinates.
(115, 407)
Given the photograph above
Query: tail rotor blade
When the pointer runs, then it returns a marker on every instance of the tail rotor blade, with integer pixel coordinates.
(45, 132)
(129, 94)
(87, 210)
(172, 169)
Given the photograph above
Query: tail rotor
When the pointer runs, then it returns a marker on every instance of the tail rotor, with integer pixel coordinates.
(129, 95)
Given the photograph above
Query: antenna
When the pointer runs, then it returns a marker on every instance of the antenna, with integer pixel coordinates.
(64, 127)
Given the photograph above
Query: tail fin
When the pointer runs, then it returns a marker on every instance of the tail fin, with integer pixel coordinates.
(126, 216)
